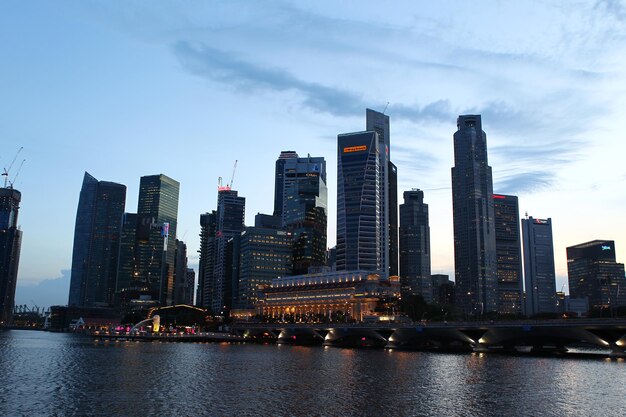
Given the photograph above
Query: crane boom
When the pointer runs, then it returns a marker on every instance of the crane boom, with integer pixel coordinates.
(16, 174)
(232, 177)
(5, 174)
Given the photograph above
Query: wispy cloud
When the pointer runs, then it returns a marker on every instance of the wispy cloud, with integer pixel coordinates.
(524, 182)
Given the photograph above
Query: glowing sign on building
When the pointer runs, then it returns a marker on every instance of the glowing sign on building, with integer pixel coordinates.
(358, 148)
(498, 196)
(604, 247)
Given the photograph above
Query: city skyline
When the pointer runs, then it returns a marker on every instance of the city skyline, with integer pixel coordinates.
(168, 95)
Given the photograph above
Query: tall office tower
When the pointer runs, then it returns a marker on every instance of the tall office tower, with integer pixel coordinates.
(393, 220)
(474, 227)
(388, 190)
(206, 263)
(415, 247)
(10, 244)
(128, 285)
(305, 202)
(264, 254)
(190, 284)
(279, 180)
(539, 275)
(593, 273)
(155, 249)
(358, 202)
(509, 254)
(230, 223)
(180, 273)
(96, 243)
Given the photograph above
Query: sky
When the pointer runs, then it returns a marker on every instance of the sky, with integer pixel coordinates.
(126, 89)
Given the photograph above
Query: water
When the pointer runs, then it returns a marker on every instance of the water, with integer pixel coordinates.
(49, 374)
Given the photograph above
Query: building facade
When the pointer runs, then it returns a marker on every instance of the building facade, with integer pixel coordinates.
(10, 245)
(539, 272)
(415, 247)
(155, 247)
(475, 258)
(97, 233)
(206, 261)
(358, 202)
(594, 273)
(509, 254)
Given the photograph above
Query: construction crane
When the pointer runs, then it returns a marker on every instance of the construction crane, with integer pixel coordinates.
(11, 182)
(6, 172)
(232, 177)
(228, 186)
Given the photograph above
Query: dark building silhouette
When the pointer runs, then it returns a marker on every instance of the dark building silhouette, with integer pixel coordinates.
(190, 283)
(155, 250)
(358, 202)
(264, 254)
(388, 191)
(474, 227)
(593, 273)
(443, 289)
(206, 263)
(304, 209)
(181, 286)
(96, 243)
(509, 254)
(415, 247)
(539, 273)
(10, 245)
(128, 285)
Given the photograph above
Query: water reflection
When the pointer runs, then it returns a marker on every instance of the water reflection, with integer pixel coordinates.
(61, 374)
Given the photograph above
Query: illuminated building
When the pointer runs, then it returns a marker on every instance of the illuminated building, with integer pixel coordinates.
(475, 264)
(509, 254)
(358, 202)
(593, 273)
(415, 247)
(10, 245)
(341, 295)
(155, 247)
(96, 243)
(539, 275)
(304, 207)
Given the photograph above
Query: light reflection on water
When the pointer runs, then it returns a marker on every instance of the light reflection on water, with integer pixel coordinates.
(61, 374)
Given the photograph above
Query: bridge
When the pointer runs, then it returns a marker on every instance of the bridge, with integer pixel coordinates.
(550, 336)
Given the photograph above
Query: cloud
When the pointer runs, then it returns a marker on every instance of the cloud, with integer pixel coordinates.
(524, 182)
(52, 291)
(556, 152)
(224, 67)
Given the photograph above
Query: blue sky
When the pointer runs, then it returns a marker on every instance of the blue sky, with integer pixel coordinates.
(125, 89)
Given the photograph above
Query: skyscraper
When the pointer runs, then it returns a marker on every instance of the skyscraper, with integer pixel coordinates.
(128, 285)
(509, 254)
(415, 247)
(279, 181)
(539, 274)
(388, 190)
(358, 202)
(157, 215)
(230, 223)
(96, 243)
(474, 226)
(10, 245)
(180, 273)
(206, 263)
(593, 273)
(304, 209)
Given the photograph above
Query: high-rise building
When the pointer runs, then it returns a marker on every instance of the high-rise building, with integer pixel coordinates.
(190, 283)
(10, 245)
(206, 263)
(264, 254)
(388, 190)
(96, 243)
(474, 227)
(304, 210)
(443, 289)
(128, 285)
(509, 254)
(358, 202)
(230, 223)
(180, 273)
(155, 250)
(539, 273)
(279, 181)
(415, 247)
(593, 273)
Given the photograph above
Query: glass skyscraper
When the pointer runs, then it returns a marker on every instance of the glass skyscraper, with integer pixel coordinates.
(415, 247)
(509, 254)
(206, 263)
(358, 202)
(539, 272)
(10, 245)
(474, 226)
(96, 243)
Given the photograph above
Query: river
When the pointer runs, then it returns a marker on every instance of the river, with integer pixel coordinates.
(56, 374)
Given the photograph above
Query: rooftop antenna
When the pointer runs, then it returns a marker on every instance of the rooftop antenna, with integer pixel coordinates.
(5, 174)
